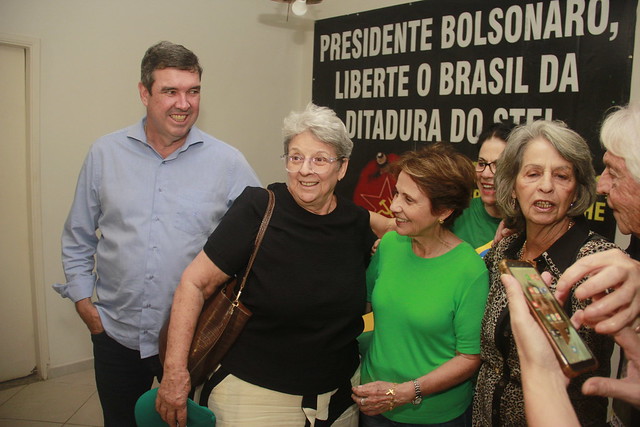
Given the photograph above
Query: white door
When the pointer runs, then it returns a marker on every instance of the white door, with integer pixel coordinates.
(17, 332)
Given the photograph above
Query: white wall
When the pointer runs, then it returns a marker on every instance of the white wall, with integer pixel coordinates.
(258, 67)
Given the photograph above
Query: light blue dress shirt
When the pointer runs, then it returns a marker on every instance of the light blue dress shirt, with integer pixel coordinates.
(144, 218)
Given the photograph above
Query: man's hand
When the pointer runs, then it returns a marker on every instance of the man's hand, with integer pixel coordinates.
(613, 270)
(89, 315)
(171, 402)
(627, 388)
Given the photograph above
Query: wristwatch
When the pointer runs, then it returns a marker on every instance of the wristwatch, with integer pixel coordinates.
(418, 399)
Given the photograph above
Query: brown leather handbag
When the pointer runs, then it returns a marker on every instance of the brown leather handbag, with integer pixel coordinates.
(221, 320)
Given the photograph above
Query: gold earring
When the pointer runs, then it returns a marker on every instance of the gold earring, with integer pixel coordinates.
(441, 221)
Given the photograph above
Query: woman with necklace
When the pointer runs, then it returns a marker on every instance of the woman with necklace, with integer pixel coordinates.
(544, 185)
(427, 289)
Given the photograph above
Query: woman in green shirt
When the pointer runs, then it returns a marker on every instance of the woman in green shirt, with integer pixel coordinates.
(478, 223)
(428, 290)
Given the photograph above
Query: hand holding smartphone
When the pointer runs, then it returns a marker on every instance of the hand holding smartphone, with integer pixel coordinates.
(572, 353)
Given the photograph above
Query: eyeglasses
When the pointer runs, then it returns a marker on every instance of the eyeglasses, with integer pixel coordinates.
(481, 166)
(319, 164)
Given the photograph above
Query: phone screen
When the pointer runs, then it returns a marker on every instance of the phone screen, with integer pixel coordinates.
(552, 317)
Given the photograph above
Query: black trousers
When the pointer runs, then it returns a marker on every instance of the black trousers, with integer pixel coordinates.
(121, 378)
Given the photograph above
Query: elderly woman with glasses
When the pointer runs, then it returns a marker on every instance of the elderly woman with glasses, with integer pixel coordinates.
(297, 359)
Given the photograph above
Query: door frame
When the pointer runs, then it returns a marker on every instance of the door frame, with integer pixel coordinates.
(31, 47)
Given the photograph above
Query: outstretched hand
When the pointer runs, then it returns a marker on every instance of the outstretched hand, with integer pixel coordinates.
(536, 354)
(613, 284)
(627, 388)
(546, 400)
(534, 349)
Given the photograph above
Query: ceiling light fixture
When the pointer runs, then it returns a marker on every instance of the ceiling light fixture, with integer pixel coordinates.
(299, 7)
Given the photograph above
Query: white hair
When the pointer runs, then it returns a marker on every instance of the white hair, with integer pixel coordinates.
(620, 135)
(323, 123)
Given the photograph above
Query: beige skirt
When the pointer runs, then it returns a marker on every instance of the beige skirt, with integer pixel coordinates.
(238, 403)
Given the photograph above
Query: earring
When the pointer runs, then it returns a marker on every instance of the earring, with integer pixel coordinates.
(441, 221)
(513, 203)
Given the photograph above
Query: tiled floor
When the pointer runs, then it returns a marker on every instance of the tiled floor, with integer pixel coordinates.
(71, 400)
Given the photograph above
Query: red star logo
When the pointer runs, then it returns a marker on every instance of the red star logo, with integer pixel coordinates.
(381, 202)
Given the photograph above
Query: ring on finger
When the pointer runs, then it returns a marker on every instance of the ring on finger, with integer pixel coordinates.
(362, 401)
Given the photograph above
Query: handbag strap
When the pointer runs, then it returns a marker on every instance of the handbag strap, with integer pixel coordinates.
(263, 227)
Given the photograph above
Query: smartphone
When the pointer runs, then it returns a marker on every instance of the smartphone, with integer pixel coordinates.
(572, 353)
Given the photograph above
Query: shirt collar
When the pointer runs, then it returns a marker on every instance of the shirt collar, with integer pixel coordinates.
(563, 250)
(137, 132)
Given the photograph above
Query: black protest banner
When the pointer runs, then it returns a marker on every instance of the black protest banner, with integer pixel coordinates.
(432, 71)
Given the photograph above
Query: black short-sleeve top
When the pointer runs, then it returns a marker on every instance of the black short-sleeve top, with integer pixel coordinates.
(306, 290)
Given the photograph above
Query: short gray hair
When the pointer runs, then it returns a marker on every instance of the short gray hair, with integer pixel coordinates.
(620, 134)
(323, 123)
(571, 146)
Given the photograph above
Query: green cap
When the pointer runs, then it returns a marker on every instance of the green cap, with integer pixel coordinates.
(146, 415)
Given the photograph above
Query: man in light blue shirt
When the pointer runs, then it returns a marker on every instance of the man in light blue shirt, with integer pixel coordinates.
(147, 198)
